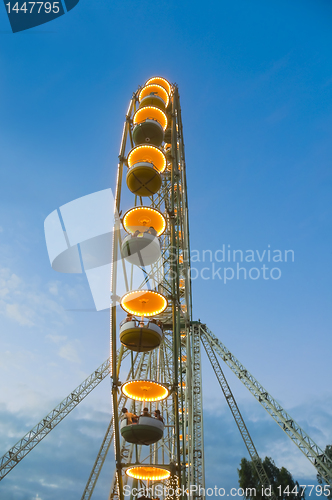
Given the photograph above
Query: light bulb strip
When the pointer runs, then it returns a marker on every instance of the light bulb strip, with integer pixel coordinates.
(143, 148)
(158, 80)
(147, 209)
(162, 120)
(160, 89)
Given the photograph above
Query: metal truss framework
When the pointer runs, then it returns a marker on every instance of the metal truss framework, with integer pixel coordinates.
(212, 346)
(235, 412)
(37, 433)
(197, 415)
(309, 448)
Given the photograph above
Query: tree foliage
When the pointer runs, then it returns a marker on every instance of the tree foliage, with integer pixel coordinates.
(248, 479)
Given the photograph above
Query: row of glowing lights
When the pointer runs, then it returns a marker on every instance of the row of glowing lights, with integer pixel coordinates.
(150, 113)
(147, 211)
(157, 89)
(136, 214)
(142, 152)
(143, 296)
(158, 80)
(138, 389)
(148, 473)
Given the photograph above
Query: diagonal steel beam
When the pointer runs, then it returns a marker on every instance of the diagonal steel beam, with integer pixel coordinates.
(265, 482)
(37, 433)
(309, 448)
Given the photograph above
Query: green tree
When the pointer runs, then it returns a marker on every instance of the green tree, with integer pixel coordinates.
(320, 479)
(282, 478)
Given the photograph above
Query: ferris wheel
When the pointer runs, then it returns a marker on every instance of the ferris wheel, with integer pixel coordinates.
(156, 425)
(168, 446)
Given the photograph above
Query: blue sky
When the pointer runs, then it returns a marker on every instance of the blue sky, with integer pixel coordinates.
(255, 81)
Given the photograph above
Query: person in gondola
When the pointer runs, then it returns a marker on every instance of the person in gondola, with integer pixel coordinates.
(152, 231)
(130, 417)
(158, 416)
(129, 317)
(146, 413)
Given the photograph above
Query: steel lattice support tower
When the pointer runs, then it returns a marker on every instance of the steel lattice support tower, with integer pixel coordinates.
(197, 413)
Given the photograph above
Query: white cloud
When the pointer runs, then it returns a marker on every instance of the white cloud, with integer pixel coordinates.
(69, 352)
(9, 282)
(47, 484)
(56, 339)
(20, 313)
(286, 455)
(53, 288)
(26, 305)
